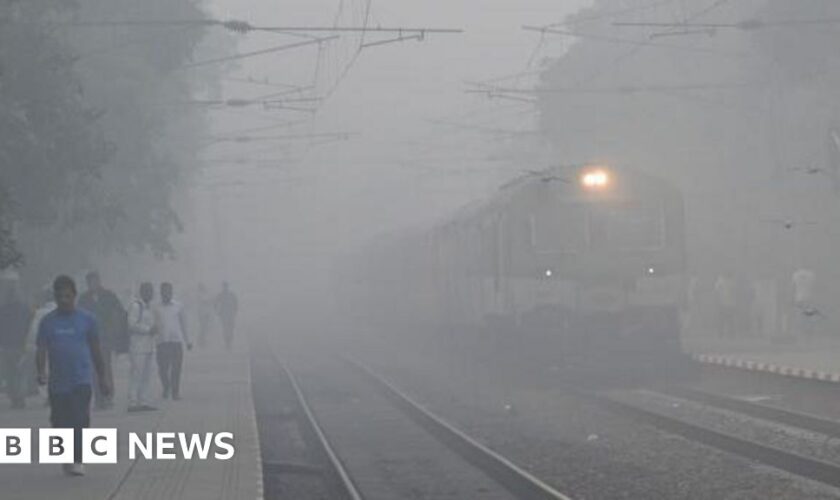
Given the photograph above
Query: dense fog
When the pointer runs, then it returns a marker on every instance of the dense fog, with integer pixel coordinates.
(221, 140)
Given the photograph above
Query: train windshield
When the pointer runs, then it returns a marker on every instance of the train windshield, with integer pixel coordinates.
(561, 229)
(629, 226)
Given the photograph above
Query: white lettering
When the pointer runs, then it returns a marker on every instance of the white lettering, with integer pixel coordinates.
(228, 447)
(195, 444)
(165, 441)
(16, 446)
(145, 447)
(55, 446)
(99, 446)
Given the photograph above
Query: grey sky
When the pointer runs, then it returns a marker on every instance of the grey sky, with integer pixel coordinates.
(400, 169)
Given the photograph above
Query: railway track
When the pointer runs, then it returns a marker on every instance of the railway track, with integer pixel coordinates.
(788, 461)
(516, 480)
(339, 463)
(769, 413)
(335, 472)
(297, 459)
(335, 413)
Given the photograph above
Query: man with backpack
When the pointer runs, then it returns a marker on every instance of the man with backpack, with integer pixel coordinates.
(110, 315)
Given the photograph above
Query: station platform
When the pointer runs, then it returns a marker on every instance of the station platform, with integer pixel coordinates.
(216, 392)
(817, 358)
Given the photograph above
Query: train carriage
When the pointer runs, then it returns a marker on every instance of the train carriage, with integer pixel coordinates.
(576, 266)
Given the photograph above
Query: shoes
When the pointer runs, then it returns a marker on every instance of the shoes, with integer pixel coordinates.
(73, 469)
(176, 398)
(139, 408)
(104, 405)
(165, 394)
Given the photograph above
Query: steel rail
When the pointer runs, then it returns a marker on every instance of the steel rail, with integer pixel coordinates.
(817, 470)
(516, 480)
(779, 415)
(343, 478)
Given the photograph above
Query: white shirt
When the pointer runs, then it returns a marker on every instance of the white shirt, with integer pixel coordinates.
(803, 285)
(141, 322)
(169, 320)
(725, 290)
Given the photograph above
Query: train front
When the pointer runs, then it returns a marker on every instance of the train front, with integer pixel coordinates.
(602, 276)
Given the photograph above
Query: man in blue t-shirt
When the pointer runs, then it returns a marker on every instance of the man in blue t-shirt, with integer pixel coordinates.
(69, 340)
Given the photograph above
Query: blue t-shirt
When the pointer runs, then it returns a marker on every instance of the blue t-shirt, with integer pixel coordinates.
(66, 338)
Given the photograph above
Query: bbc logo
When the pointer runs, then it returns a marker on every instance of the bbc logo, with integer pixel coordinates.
(55, 446)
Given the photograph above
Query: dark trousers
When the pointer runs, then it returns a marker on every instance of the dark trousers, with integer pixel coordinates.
(170, 358)
(72, 410)
(10, 370)
(108, 371)
(227, 331)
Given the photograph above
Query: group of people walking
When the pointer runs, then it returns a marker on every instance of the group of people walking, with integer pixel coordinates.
(77, 337)
(151, 331)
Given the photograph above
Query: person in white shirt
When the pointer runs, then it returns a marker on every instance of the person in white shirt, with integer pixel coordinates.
(142, 332)
(727, 305)
(806, 312)
(169, 318)
(803, 286)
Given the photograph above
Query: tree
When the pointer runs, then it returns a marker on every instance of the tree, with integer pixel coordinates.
(95, 135)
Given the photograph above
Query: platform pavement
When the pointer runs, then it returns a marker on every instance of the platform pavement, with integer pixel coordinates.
(216, 398)
(817, 358)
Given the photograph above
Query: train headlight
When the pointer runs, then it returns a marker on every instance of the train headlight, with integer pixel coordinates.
(595, 179)
(549, 273)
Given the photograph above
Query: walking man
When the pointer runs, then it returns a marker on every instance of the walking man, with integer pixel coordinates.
(805, 311)
(204, 311)
(14, 325)
(227, 306)
(68, 340)
(141, 350)
(727, 306)
(172, 336)
(110, 316)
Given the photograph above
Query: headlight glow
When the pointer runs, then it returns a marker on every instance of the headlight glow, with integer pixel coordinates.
(595, 179)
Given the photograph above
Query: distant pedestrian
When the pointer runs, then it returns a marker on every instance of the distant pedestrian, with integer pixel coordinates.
(142, 332)
(68, 341)
(806, 312)
(172, 337)
(204, 313)
(227, 307)
(111, 318)
(14, 325)
(765, 308)
(727, 306)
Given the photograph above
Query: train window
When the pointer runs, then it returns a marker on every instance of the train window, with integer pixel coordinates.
(630, 226)
(559, 228)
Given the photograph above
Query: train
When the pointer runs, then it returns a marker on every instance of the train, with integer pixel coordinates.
(576, 266)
